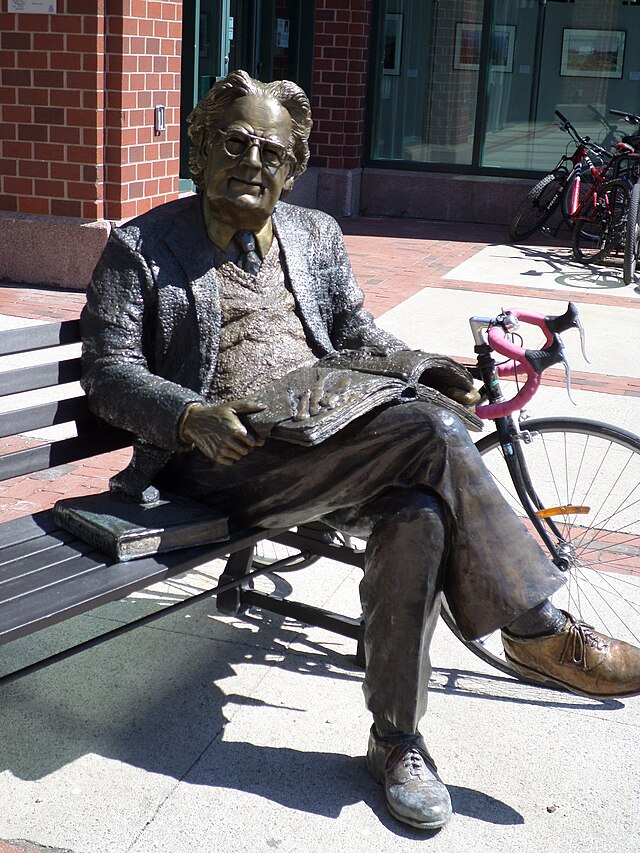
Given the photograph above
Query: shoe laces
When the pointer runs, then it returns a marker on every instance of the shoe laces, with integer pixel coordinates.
(414, 757)
(581, 637)
(413, 762)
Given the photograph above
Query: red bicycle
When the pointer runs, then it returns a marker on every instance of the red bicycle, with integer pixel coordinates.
(564, 187)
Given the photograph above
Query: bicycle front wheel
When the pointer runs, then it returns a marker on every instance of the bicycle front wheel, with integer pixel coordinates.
(632, 245)
(537, 207)
(602, 231)
(587, 477)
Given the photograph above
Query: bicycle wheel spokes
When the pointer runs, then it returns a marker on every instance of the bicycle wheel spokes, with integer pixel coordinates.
(582, 464)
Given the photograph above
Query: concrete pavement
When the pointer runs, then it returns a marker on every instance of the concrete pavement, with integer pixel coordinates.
(212, 733)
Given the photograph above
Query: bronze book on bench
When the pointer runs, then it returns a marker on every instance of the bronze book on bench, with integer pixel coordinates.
(352, 383)
(127, 530)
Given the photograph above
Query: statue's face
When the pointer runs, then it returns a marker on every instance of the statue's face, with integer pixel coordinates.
(243, 179)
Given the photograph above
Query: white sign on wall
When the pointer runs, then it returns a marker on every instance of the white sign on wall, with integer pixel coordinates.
(34, 7)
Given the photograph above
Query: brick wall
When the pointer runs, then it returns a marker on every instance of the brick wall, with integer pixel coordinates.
(51, 122)
(341, 50)
(64, 79)
(143, 48)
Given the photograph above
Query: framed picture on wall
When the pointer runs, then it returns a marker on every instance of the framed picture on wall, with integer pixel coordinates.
(468, 41)
(592, 53)
(466, 51)
(503, 39)
(392, 55)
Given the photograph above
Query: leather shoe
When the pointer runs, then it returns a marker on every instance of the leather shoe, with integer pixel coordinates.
(413, 790)
(579, 659)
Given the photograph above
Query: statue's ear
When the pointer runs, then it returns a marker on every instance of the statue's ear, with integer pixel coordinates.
(201, 156)
(288, 184)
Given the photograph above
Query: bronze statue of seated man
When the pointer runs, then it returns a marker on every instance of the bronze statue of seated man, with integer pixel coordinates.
(202, 302)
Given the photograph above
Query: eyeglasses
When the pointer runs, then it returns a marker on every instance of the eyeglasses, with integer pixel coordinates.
(237, 142)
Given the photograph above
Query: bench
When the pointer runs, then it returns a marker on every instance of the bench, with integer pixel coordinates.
(46, 574)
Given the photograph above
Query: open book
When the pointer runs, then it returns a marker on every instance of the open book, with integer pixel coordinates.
(349, 384)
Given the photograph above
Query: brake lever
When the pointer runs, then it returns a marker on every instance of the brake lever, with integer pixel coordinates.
(583, 340)
(567, 376)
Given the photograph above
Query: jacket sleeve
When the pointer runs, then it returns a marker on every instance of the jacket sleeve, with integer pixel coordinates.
(117, 325)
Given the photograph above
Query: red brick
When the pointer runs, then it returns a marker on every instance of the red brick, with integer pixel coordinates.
(9, 167)
(66, 135)
(66, 171)
(8, 203)
(62, 207)
(18, 186)
(15, 41)
(34, 205)
(33, 169)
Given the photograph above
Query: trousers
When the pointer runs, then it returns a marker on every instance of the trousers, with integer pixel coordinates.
(408, 478)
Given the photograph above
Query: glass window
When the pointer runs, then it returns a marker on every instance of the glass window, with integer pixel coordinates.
(453, 88)
(577, 57)
(427, 80)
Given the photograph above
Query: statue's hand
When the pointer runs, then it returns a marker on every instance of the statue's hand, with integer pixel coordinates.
(317, 399)
(218, 432)
(468, 397)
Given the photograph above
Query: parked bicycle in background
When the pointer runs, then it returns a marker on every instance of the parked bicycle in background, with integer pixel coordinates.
(561, 187)
(594, 189)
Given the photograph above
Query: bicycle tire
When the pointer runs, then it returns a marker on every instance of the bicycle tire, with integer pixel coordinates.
(538, 206)
(603, 232)
(575, 461)
(632, 243)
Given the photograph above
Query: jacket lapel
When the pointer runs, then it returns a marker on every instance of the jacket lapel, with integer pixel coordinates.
(294, 245)
(194, 252)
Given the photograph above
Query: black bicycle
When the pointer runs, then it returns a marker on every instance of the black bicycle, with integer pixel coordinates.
(574, 482)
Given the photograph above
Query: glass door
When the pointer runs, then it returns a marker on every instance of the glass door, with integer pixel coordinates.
(207, 35)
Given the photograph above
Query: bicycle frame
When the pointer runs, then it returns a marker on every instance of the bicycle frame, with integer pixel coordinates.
(511, 437)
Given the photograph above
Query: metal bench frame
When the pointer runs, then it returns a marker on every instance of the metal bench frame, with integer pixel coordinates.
(48, 576)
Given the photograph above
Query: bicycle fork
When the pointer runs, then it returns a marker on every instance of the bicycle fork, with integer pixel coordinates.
(511, 441)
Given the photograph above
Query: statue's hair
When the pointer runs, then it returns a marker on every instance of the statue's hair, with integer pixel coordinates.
(207, 117)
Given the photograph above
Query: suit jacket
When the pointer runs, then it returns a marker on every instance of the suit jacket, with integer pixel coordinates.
(151, 325)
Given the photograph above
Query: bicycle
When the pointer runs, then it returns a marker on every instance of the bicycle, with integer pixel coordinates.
(563, 187)
(600, 222)
(574, 482)
(601, 218)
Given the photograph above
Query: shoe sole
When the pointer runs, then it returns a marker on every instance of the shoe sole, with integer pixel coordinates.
(437, 824)
(540, 678)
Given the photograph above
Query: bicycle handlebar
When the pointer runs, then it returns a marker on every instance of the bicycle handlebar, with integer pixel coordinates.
(584, 141)
(533, 362)
(632, 118)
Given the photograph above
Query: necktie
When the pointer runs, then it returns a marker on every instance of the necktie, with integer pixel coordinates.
(249, 260)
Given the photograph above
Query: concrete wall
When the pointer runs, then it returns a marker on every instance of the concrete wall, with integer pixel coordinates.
(405, 193)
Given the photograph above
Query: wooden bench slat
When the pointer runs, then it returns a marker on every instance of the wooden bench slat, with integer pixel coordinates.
(90, 584)
(43, 571)
(45, 415)
(42, 336)
(27, 528)
(14, 557)
(38, 376)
